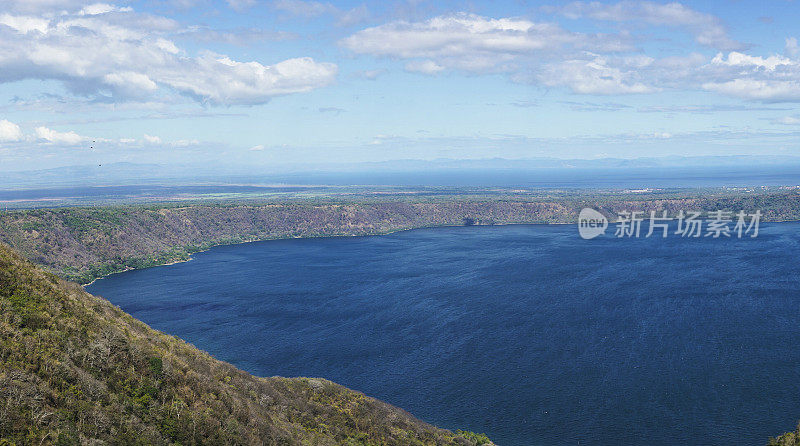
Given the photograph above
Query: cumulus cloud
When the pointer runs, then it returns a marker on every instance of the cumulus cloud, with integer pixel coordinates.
(772, 78)
(598, 75)
(130, 83)
(55, 137)
(598, 64)
(708, 30)
(768, 79)
(530, 52)
(9, 132)
(227, 81)
(460, 34)
(102, 8)
(761, 90)
(24, 24)
(736, 59)
(104, 50)
(475, 43)
(151, 139)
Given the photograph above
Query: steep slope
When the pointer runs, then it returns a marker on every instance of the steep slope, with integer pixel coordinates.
(74, 369)
(82, 244)
(787, 439)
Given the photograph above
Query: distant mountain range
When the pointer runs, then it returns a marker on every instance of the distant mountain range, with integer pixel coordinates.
(599, 163)
(132, 173)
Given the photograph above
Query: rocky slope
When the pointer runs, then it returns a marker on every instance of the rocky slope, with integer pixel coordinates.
(82, 244)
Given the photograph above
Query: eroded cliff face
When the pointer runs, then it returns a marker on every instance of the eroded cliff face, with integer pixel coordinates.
(82, 244)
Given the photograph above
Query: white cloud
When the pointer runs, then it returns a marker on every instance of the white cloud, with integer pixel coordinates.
(185, 143)
(9, 132)
(707, 29)
(102, 8)
(463, 34)
(151, 139)
(772, 78)
(598, 76)
(605, 64)
(226, 81)
(55, 137)
(474, 43)
(792, 49)
(24, 24)
(424, 66)
(769, 79)
(760, 90)
(257, 148)
(789, 120)
(736, 59)
(127, 55)
(130, 83)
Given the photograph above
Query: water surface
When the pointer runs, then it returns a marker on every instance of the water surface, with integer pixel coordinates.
(527, 333)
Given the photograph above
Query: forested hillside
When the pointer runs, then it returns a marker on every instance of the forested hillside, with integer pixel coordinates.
(74, 369)
(82, 244)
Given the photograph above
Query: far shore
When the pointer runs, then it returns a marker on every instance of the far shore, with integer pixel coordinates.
(83, 244)
(190, 258)
(174, 262)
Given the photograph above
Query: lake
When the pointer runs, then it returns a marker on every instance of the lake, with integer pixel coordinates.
(527, 332)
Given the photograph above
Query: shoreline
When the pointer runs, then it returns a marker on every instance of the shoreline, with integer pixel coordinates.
(85, 244)
(174, 262)
(191, 254)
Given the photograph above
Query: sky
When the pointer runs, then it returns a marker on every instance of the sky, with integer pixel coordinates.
(272, 83)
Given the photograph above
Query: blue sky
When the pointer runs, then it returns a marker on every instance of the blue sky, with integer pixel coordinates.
(288, 82)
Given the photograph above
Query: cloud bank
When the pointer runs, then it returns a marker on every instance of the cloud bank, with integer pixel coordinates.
(108, 51)
(549, 55)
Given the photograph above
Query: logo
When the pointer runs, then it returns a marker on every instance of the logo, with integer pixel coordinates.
(635, 224)
(591, 223)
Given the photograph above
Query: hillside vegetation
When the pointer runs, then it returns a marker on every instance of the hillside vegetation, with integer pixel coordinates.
(82, 244)
(75, 369)
(787, 439)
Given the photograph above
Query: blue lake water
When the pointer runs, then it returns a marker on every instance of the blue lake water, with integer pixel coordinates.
(527, 333)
